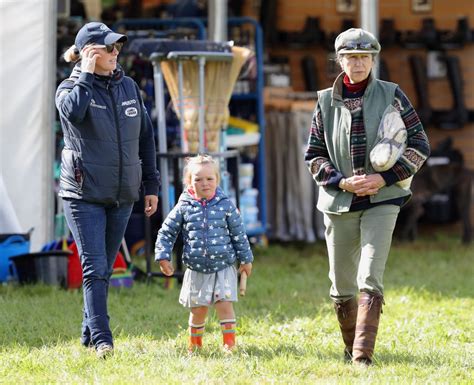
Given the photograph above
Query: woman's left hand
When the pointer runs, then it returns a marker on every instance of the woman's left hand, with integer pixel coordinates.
(368, 184)
(151, 204)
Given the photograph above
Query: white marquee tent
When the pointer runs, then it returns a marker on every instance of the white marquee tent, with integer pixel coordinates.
(27, 85)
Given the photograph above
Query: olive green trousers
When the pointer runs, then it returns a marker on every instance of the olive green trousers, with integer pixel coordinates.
(358, 245)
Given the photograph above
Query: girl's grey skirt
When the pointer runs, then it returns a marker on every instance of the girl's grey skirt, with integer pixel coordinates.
(200, 289)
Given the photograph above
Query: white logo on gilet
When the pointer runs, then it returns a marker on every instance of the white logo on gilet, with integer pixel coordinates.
(131, 112)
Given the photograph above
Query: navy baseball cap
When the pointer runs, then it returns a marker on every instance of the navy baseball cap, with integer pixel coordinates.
(97, 33)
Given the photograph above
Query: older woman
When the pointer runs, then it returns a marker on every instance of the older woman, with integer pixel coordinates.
(360, 205)
(109, 155)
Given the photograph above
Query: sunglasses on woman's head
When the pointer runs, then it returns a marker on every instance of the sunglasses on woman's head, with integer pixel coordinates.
(354, 45)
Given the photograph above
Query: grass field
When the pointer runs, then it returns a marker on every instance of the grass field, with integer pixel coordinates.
(287, 330)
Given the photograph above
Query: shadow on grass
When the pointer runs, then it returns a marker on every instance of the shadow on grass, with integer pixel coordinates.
(425, 360)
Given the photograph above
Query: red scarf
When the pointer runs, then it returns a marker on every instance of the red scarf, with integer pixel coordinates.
(357, 87)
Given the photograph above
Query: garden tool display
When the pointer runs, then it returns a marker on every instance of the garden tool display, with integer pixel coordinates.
(458, 115)
(418, 70)
(384, 73)
(310, 34)
(456, 39)
(428, 34)
(427, 37)
(388, 34)
(268, 15)
(331, 37)
(310, 73)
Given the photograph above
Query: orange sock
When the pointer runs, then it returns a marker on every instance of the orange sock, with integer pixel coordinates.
(195, 335)
(228, 332)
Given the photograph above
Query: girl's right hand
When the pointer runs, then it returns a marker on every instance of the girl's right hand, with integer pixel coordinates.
(247, 267)
(89, 56)
(166, 267)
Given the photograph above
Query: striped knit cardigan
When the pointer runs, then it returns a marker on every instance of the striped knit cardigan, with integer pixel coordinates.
(342, 134)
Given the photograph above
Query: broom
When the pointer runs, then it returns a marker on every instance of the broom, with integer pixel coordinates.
(240, 56)
(220, 78)
(189, 103)
(217, 71)
(224, 75)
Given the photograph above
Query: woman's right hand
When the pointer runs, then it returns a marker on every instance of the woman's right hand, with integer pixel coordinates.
(363, 185)
(89, 56)
(351, 184)
(166, 267)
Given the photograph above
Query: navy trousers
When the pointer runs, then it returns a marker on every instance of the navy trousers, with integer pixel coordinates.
(98, 231)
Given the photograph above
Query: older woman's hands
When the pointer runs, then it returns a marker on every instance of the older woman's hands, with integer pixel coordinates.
(362, 185)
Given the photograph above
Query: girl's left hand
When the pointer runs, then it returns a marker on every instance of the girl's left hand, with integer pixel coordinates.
(247, 267)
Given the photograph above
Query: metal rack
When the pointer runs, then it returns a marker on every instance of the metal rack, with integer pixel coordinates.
(232, 157)
(168, 23)
(257, 97)
(157, 50)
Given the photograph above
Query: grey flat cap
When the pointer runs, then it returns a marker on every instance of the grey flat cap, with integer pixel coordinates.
(356, 40)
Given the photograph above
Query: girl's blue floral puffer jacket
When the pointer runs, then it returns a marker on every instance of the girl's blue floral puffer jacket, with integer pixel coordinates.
(213, 233)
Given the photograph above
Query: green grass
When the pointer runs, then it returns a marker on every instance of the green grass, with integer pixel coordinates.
(287, 330)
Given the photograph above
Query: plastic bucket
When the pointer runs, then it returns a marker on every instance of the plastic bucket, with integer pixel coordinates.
(250, 215)
(49, 267)
(10, 245)
(248, 197)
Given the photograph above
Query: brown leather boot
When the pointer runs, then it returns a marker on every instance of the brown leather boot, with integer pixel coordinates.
(368, 316)
(347, 316)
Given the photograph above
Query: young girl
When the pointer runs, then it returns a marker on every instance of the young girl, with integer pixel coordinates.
(214, 239)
